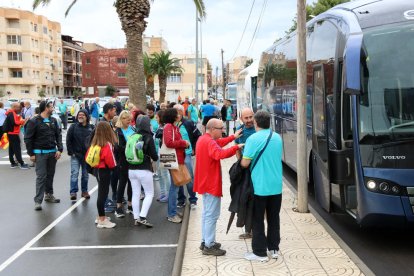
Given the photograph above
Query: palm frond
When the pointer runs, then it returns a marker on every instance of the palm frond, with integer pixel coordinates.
(201, 8)
(36, 3)
(70, 6)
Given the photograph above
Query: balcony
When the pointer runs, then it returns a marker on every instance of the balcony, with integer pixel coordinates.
(68, 70)
(68, 57)
(68, 83)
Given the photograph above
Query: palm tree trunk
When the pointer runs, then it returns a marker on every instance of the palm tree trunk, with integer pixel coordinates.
(163, 87)
(136, 78)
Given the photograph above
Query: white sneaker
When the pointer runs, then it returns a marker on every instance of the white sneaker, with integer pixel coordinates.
(250, 256)
(97, 219)
(105, 224)
(274, 254)
(193, 206)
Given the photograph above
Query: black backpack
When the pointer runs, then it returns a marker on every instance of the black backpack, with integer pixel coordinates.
(8, 124)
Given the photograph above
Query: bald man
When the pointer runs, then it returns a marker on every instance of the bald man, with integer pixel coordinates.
(15, 146)
(208, 182)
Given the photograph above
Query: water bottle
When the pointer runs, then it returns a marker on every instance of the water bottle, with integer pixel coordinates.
(139, 145)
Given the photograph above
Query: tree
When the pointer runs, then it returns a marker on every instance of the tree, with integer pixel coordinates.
(149, 72)
(315, 9)
(133, 14)
(110, 90)
(248, 62)
(164, 66)
(77, 93)
(41, 93)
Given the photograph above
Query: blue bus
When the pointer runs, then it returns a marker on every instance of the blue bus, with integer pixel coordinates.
(360, 107)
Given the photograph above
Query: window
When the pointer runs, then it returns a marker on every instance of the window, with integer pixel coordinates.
(122, 60)
(58, 50)
(50, 48)
(14, 39)
(34, 28)
(46, 60)
(15, 56)
(174, 78)
(13, 23)
(87, 75)
(24, 91)
(45, 30)
(121, 75)
(16, 73)
(88, 61)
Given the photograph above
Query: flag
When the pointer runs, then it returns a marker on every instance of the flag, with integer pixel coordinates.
(4, 141)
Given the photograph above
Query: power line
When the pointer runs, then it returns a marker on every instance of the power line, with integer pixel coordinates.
(259, 21)
(245, 26)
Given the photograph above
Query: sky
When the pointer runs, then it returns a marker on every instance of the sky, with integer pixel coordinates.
(97, 21)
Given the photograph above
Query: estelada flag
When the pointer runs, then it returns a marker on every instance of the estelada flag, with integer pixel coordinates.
(4, 141)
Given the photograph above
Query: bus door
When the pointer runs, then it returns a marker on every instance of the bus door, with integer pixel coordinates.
(320, 160)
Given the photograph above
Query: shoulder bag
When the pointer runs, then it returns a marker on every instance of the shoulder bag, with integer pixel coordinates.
(261, 152)
(168, 156)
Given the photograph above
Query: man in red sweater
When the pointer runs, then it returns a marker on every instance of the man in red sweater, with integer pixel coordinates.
(208, 182)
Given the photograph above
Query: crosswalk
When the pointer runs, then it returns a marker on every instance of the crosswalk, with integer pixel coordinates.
(4, 157)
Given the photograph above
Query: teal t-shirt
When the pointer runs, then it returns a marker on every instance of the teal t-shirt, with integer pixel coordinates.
(184, 134)
(267, 174)
(63, 108)
(154, 125)
(246, 134)
(229, 112)
(193, 113)
(127, 132)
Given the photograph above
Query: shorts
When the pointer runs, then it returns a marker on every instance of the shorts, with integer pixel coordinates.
(206, 119)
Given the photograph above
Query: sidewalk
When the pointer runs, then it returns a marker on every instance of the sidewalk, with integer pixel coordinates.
(306, 247)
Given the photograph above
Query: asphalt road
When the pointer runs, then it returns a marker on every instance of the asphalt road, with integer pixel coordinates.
(385, 251)
(72, 245)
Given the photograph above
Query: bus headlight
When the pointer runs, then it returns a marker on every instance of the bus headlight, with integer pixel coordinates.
(395, 189)
(384, 187)
(371, 184)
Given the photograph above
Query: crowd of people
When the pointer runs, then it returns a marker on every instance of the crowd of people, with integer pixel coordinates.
(256, 147)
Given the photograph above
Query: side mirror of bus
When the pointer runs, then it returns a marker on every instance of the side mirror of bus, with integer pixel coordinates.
(352, 65)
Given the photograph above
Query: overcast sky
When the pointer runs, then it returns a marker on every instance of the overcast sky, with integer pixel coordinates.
(97, 21)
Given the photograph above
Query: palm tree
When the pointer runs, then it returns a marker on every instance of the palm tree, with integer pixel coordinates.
(132, 14)
(149, 73)
(163, 66)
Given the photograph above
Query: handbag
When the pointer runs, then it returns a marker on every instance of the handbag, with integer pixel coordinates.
(181, 176)
(168, 156)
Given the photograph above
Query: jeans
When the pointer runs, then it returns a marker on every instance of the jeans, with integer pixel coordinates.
(94, 121)
(193, 197)
(172, 199)
(15, 149)
(75, 164)
(271, 205)
(164, 180)
(64, 119)
(209, 217)
(45, 171)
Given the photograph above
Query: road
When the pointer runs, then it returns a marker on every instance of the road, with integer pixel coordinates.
(384, 251)
(63, 239)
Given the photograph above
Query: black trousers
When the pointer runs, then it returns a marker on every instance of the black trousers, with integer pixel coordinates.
(260, 243)
(104, 180)
(123, 181)
(15, 149)
(114, 182)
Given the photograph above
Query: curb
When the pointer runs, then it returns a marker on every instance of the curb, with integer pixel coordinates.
(354, 257)
(179, 256)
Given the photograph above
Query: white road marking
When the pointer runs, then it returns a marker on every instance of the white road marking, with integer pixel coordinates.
(23, 156)
(102, 247)
(44, 232)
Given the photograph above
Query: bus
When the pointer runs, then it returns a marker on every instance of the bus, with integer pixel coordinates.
(359, 109)
(231, 95)
(247, 88)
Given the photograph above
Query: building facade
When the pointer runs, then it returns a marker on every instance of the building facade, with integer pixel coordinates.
(101, 68)
(30, 55)
(234, 67)
(72, 66)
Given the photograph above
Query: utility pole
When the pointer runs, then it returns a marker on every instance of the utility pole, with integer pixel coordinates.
(301, 83)
(216, 80)
(196, 59)
(222, 73)
(202, 65)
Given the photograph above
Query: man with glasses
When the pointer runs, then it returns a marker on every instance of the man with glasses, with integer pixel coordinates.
(43, 140)
(208, 182)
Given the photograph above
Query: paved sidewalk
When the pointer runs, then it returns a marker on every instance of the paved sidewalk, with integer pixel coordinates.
(306, 247)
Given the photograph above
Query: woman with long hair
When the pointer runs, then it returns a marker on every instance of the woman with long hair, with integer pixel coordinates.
(105, 138)
(162, 173)
(123, 130)
(173, 139)
(141, 174)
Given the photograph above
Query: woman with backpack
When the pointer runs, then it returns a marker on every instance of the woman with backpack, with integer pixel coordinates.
(173, 139)
(104, 138)
(123, 130)
(141, 174)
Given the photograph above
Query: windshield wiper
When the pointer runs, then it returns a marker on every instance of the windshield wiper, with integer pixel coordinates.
(393, 143)
(402, 125)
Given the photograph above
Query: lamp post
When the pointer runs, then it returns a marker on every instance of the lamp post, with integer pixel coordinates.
(196, 59)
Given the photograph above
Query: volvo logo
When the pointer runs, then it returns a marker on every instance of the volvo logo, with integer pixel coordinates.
(409, 14)
(393, 157)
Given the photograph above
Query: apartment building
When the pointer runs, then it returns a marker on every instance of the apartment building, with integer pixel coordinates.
(72, 65)
(234, 67)
(30, 55)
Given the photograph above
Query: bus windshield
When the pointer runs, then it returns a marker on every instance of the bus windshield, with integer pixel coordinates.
(386, 107)
(232, 92)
